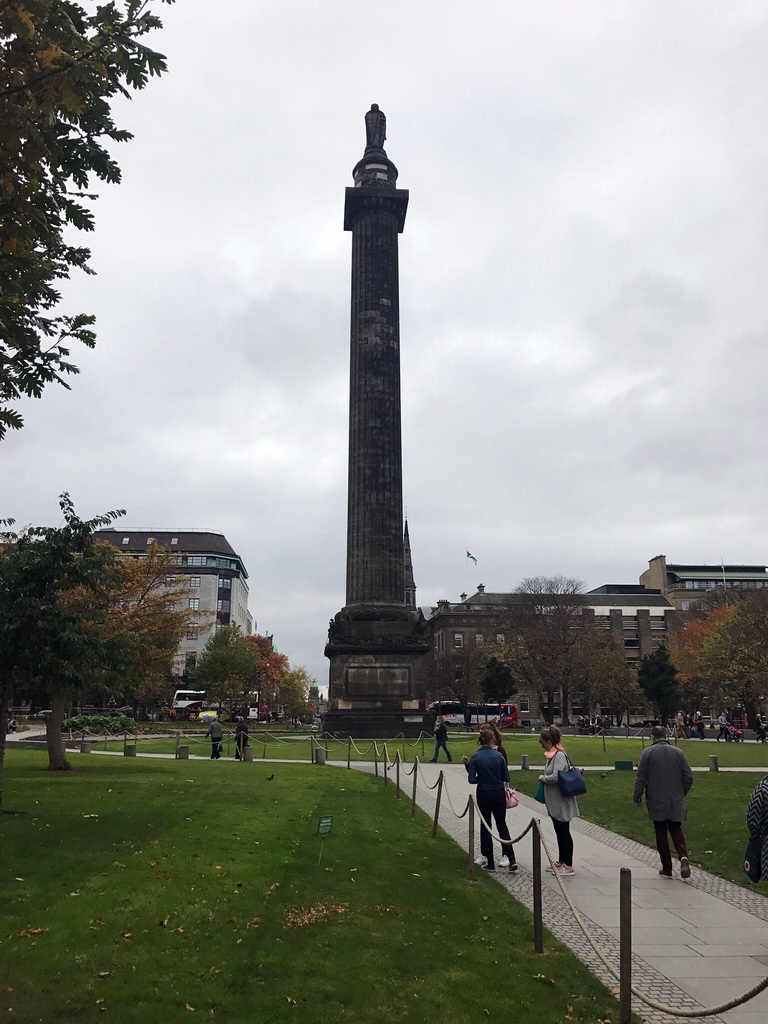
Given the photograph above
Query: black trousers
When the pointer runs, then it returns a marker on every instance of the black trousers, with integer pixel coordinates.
(564, 842)
(492, 804)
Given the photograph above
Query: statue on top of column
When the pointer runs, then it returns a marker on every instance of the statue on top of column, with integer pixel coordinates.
(375, 127)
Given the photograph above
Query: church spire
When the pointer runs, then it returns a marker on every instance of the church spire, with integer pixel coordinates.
(410, 584)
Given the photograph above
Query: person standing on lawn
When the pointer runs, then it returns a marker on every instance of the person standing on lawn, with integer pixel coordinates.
(561, 809)
(241, 738)
(488, 769)
(216, 733)
(441, 739)
(665, 777)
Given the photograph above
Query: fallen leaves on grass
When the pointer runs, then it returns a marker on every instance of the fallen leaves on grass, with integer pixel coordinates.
(271, 889)
(164, 921)
(33, 931)
(544, 977)
(188, 1007)
(302, 917)
(253, 922)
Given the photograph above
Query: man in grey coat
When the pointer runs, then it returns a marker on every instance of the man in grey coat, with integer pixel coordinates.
(664, 776)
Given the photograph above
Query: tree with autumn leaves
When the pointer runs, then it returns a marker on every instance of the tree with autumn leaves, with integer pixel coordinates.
(721, 651)
(62, 65)
(76, 618)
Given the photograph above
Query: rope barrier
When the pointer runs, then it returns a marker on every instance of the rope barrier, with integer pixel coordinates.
(536, 823)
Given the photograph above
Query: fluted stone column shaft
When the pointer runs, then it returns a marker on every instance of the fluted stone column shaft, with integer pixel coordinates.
(375, 572)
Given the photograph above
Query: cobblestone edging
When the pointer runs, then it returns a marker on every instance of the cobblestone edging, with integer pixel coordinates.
(728, 892)
(561, 923)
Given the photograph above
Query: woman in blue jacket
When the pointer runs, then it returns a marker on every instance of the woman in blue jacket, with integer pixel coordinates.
(488, 769)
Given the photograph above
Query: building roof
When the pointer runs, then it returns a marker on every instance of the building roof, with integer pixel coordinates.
(626, 600)
(183, 541)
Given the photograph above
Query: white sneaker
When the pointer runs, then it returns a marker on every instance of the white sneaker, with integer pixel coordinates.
(481, 861)
(551, 869)
(504, 861)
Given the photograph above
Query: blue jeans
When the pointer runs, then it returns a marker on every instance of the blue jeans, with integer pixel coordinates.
(444, 745)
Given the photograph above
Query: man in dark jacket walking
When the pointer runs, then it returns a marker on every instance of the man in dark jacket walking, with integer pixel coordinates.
(664, 776)
(441, 739)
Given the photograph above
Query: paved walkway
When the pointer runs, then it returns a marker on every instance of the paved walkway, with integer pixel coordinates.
(696, 943)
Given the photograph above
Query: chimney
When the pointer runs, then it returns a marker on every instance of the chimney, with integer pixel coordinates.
(463, 597)
(481, 588)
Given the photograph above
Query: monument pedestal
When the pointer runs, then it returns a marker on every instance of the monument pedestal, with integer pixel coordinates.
(376, 687)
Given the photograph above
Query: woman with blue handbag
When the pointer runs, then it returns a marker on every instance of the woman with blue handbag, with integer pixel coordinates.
(561, 809)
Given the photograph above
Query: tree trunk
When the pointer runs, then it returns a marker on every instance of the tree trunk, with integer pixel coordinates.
(564, 702)
(5, 697)
(57, 758)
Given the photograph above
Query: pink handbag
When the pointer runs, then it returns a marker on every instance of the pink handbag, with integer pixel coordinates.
(511, 798)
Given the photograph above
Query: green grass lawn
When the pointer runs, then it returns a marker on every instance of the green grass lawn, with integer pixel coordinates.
(584, 750)
(716, 832)
(169, 891)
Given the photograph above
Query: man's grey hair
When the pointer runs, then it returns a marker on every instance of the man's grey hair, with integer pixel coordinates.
(658, 732)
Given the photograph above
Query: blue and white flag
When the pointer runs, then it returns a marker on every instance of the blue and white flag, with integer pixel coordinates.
(472, 557)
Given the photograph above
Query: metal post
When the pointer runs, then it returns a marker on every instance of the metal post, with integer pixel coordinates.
(375, 759)
(311, 748)
(386, 765)
(603, 740)
(437, 804)
(415, 779)
(625, 946)
(264, 752)
(422, 744)
(471, 838)
(125, 741)
(349, 750)
(538, 919)
(178, 739)
(397, 774)
(402, 743)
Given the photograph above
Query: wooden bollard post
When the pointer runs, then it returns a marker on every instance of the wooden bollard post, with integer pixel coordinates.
(471, 838)
(397, 775)
(386, 765)
(311, 748)
(349, 750)
(375, 759)
(125, 740)
(415, 780)
(603, 740)
(625, 946)
(538, 918)
(178, 740)
(437, 804)
(264, 752)
(402, 743)
(422, 744)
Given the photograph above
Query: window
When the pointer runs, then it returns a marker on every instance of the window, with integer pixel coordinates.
(479, 640)
(222, 606)
(631, 642)
(685, 605)
(499, 638)
(194, 602)
(225, 583)
(522, 705)
(174, 540)
(192, 631)
(170, 580)
(195, 581)
(126, 540)
(194, 560)
(458, 639)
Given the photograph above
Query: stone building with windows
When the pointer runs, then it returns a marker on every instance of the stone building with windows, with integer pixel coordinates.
(684, 585)
(637, 619)
(213, 578)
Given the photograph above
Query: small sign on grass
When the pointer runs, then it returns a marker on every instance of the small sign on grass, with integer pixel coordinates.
(324, 825)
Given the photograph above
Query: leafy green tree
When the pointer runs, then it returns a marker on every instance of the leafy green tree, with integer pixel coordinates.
(226, 668)
(53, 584)
(657, 678)
(294, 693)
(498, 683)
(61, 67)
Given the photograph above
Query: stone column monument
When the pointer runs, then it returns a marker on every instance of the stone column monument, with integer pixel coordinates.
(377, 642)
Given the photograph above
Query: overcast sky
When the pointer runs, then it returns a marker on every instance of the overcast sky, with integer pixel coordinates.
(583, 294)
